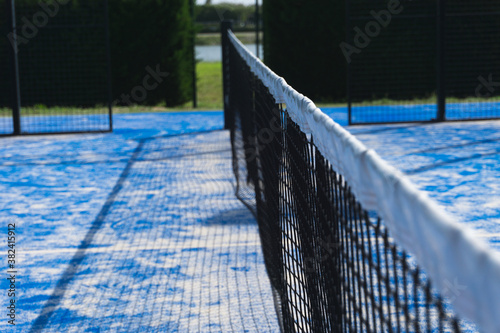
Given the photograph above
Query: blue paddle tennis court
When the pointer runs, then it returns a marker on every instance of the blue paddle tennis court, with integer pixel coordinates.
(140, 230)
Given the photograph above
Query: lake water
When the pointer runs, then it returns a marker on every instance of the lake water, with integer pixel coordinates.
(213, 53)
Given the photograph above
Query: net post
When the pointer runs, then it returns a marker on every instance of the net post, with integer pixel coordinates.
(225, 26)
(440, 89)
(16, 102)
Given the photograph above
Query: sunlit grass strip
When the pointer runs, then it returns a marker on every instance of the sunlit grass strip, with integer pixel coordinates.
(41, 110)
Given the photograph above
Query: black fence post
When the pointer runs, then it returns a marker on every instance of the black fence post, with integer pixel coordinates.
(193, 23)
(257, 28)
(16, 102)
(441, 73)
(348, 63)
(225, 25)
(108, 61)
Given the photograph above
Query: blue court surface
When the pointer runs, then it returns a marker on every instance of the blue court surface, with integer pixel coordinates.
(414, 112)
(135, 231)
(139, 230)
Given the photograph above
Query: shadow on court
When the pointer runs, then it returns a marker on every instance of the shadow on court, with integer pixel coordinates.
(171, 249)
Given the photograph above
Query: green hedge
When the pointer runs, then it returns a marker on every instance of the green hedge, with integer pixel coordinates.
(6, 90)
(208, 17)
(152, 33)
(65, 62)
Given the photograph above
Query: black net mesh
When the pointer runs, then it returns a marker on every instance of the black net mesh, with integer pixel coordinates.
(332, 264)
(394, 49)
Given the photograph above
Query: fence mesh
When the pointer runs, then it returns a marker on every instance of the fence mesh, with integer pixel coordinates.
(63, 56)
(402, 54)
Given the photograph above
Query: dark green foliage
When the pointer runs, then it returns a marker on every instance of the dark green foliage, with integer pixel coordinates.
(151, 33)
(6, 90)
(65, 62)
(211, 13)
(208, 17)
(301, 43)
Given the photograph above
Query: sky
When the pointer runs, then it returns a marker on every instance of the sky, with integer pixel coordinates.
(245, 2)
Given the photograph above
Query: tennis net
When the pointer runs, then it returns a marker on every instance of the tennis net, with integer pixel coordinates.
(349, 243)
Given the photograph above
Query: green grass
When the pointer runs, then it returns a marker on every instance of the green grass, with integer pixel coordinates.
(209, 92)
(209, 89)
(39, 110)
(209, 84)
